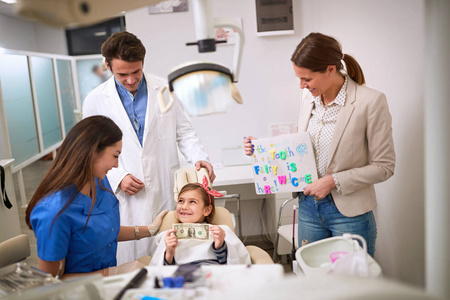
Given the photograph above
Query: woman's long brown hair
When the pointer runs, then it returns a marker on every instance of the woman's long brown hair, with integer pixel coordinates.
(317, 51)
(73, 164)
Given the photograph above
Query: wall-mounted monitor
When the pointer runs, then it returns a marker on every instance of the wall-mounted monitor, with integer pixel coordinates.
(89, 39)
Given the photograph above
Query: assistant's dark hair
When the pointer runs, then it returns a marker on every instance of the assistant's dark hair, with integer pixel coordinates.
(317, 51)
(124, 46)
(205, 198)
(73, 164)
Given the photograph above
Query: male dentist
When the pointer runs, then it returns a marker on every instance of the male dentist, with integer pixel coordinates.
(143, 183)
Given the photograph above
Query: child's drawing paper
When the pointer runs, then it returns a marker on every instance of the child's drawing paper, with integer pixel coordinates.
(283, 163)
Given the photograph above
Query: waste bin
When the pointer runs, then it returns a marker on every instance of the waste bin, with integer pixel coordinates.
(314, 258)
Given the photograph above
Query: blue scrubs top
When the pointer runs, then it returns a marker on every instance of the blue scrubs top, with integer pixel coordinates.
(85, 250)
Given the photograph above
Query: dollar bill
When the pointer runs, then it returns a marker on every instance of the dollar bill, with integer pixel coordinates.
(192, 231)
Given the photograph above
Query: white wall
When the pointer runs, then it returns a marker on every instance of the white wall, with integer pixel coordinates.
(386, 37)
(16, 34)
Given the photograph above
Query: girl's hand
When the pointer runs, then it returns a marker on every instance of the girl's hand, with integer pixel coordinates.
(249, 148)
(218, 234)
(171, 241)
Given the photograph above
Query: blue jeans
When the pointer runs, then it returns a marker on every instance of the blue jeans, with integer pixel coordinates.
(319, 219)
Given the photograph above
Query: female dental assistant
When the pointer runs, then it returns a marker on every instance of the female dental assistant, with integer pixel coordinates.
(74, 213)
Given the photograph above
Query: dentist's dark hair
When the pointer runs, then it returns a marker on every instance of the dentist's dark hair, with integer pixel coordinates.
(124, 46)
(317, 51)
(73, 164)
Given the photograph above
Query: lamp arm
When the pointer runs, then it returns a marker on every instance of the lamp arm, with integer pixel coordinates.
(203, 19)
(238, 47)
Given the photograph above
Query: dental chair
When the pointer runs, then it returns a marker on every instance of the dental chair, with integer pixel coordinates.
(14, 250)
(222, 216)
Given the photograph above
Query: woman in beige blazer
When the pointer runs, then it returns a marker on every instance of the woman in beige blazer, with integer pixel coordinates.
(350, 128)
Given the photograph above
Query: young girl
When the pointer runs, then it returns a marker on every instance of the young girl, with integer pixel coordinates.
(196, 205)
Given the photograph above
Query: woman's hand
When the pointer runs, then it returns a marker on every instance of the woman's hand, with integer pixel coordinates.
(249, 148)
(171, 241)
(218, 234)
(321, 187)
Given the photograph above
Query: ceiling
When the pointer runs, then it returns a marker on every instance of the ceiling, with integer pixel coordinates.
(7, 9)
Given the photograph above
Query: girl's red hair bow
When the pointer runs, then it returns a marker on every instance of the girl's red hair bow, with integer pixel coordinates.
(210, 192)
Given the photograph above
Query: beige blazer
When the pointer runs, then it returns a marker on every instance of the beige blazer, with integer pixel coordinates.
(362, 149)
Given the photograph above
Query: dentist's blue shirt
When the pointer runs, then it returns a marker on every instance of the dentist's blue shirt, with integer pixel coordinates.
(135, 106)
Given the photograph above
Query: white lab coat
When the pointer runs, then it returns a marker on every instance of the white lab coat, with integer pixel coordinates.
(154, 163)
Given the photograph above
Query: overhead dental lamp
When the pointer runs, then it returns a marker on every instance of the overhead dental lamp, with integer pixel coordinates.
(203, 87)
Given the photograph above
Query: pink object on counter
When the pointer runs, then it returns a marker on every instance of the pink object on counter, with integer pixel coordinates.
(336, 255)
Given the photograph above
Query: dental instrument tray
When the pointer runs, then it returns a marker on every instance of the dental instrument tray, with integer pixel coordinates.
(20, 276)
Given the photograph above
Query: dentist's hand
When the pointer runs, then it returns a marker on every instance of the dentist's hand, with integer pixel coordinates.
(154, 227)
(131, 185)
(208, 166)
(249, 148)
